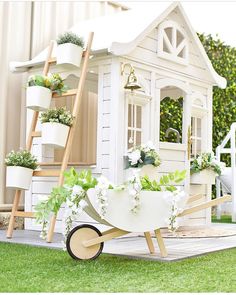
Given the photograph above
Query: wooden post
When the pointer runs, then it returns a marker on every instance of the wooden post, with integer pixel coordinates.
(13, 211)
(161, 243)
(71, 134)
(149, 242)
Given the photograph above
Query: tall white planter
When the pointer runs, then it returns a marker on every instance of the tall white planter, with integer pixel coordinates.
(54, 134)
(38, 98)
(18, 177)
(69, 54)
(149, 170)
(205, 176)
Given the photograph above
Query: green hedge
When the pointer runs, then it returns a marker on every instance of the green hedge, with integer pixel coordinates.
(223, 58)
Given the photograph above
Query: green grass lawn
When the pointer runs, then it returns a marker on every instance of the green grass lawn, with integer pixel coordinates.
(224, 219)
(31, 269)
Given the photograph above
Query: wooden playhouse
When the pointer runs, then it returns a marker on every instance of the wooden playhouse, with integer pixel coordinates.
(171, 65)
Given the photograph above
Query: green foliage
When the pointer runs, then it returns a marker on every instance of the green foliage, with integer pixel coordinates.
(166, 181)
(70, 37)
(206, 161)
(171, 111)
(60, 115)
(223, 58)
(21, 158)
(59, 195)
(54, 82)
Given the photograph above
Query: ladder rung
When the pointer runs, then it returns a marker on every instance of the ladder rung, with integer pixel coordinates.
(24, 214)
(69, 164)
(36, 134)
(70, 92)
(46, 173)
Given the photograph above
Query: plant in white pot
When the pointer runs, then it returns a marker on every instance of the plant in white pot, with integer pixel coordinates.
(143, 158)
(20, 167)
(204, 169)
(69, 49)
(55, 127)
(40, 89)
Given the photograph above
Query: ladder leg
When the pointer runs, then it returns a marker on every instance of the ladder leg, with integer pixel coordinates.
(51, 228)
(160, 243)
(149, 242)
(12, 218)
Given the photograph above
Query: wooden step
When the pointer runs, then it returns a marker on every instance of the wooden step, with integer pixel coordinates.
(70, 92)
(46, 173)
(24, 214)
(36, 134)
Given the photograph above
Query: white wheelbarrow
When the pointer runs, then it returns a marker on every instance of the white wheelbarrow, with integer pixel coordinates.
(85, 242)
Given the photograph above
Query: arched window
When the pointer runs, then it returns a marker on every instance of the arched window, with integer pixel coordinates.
(172, 42)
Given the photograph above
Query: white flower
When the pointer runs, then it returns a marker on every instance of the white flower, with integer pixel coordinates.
(199, 161)
(77, 189)
(148, 146)
(134, 157)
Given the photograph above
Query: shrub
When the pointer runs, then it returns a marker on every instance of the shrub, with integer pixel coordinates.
(70, 37)
(60, 115)
(21, 158)
(54, 82)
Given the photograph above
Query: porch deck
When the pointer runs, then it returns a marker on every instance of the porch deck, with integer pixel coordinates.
(134, 245)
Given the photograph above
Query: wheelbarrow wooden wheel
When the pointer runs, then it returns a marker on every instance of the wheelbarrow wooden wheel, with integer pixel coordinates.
(75, 239)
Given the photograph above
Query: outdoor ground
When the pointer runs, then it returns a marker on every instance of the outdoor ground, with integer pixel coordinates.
(34, 269)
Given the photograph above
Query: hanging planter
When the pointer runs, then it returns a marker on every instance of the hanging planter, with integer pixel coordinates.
(206, 176)
(55, 127)
(38, 98)
(55, 134)
(204, 169)
(69, 49)
(20, 167)
(40, 89)
(143, 159)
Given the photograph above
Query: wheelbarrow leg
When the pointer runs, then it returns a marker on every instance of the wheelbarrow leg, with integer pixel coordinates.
(160, 243)
(149, 242)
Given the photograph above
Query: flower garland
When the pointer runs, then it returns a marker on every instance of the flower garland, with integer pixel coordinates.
(73, 208)
(101, 190)
(134, 188)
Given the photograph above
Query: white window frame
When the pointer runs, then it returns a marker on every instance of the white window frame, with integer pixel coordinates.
(172, 45)
(142, 100)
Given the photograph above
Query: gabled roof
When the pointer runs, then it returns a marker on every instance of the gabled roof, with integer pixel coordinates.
(120, 33)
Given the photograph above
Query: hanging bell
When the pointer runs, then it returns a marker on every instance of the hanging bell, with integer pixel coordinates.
(132, 82)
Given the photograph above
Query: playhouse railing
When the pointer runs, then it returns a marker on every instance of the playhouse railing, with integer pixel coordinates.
(230, 137)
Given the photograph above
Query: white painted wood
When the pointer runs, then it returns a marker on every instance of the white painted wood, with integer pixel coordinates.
(152, 214)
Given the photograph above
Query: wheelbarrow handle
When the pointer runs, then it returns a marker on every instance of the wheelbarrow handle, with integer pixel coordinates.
(205, 205)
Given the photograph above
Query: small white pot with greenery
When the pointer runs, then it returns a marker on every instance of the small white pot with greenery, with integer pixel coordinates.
(69, 49)
(55, 127)
(205, 168)
(20, 167)
(143, 158)
(39, 91)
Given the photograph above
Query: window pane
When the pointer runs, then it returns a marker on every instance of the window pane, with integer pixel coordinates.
(138, 117)
(138, 137)
(198, 146)
(199, 133)
(129, 140)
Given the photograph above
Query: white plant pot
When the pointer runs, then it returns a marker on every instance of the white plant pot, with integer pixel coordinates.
(18, 177)
(38, 98)
(149, 170)
(69, 54)
(54, 134)
(206, 176)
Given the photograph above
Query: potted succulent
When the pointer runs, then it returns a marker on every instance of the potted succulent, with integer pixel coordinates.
(143, 158)
(20, 166)
(69, 49)
(40, 88)
(204, 169)
(55, 127)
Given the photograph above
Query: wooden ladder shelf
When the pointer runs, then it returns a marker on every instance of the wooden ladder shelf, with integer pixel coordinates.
(33, 133)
